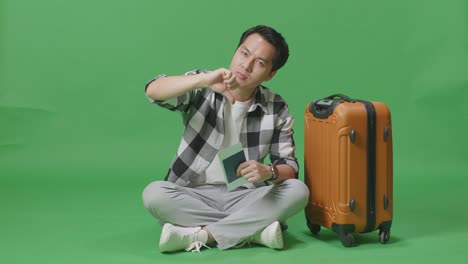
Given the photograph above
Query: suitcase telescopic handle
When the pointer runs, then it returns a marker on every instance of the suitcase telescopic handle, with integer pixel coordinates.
(342, 96)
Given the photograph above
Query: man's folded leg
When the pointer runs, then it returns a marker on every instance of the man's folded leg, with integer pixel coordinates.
(257, 209)
(183, 206)
(183, 211)
(230, 217)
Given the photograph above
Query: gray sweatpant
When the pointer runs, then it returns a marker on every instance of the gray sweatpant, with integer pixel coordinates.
(231, 217)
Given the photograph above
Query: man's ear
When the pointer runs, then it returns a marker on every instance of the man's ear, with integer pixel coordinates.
(270, 76)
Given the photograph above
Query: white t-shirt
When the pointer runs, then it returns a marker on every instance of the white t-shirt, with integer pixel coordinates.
(233, 118)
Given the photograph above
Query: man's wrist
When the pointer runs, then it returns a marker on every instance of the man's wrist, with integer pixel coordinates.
(203, 80)
(274, 174)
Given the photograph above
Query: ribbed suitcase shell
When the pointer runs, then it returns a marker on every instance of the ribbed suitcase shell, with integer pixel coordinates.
(336, 172)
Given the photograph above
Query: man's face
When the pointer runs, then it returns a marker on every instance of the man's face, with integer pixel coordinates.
(252, 62)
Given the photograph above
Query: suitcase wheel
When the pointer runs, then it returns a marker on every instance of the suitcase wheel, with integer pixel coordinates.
(314, 228)
(384, 235)
(347, 239)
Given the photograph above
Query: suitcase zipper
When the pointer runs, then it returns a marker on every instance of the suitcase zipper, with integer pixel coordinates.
(371, 165)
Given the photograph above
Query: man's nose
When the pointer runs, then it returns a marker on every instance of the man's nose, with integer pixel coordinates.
(247, 65)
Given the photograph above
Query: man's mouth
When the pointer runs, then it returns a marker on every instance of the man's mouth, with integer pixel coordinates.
(241, 76)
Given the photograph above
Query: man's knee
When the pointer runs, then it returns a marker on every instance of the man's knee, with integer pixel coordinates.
(296, 192)
(155, 194)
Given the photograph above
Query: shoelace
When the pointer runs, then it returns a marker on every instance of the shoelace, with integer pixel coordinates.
(247, 241)
(196, 246)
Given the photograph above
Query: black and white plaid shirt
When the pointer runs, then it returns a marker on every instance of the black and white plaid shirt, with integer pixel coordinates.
(266, 129)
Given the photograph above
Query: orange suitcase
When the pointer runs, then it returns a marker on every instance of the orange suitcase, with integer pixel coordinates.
(348, 160)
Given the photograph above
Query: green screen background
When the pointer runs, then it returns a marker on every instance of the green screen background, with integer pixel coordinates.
(79, 141)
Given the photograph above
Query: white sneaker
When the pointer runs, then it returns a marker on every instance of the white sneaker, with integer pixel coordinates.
(174, 238)
(271, 236)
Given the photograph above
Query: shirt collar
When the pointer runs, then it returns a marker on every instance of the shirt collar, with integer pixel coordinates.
(260, 100)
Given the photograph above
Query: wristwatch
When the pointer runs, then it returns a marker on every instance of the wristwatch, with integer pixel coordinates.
(274, 176)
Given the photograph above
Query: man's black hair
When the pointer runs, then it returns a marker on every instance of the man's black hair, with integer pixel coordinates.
(274, 38)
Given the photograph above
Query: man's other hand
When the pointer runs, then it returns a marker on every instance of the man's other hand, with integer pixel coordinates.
(254, 171)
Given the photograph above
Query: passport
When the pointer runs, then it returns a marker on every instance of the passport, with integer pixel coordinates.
(231, 157)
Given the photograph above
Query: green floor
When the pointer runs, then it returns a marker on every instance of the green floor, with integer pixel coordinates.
(79, 141)
(97, 217)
